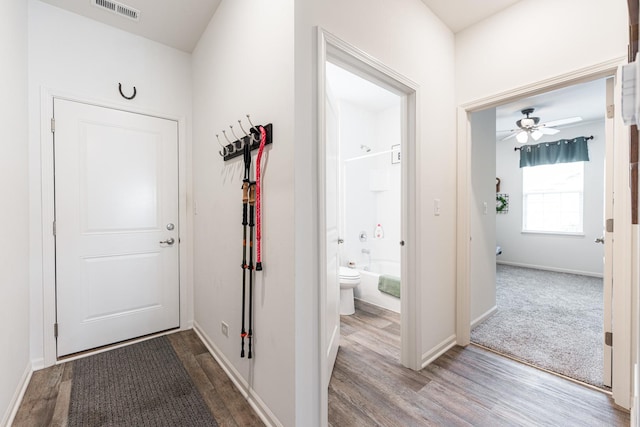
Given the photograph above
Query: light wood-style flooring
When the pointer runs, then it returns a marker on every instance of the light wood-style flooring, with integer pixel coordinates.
(464, 387)
(46, 401)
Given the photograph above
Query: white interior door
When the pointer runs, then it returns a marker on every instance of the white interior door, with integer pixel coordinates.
(116, 211)
(608, 236)
(332, 231)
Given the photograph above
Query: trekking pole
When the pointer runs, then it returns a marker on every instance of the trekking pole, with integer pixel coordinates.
(245, 201)
(252, 200)
(263, 141)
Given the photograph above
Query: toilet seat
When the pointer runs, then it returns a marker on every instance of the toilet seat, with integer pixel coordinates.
(349, 276)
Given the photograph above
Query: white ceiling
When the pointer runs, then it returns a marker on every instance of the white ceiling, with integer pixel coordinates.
(175, 23)
(180, 23)
(460, 14)
(586, 100)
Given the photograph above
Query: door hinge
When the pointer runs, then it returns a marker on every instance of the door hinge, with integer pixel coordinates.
(609, 225)
(610, 111)
(55, 330)
(53, 125)
(54, 228)
(608, 338)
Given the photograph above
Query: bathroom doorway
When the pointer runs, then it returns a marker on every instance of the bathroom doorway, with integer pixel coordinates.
(390, 158)
(367, 122)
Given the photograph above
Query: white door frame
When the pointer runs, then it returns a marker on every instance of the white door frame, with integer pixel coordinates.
(369, 68)
(47, 214)
(622, 242)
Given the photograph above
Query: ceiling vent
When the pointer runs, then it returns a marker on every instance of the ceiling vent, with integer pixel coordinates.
(118, 8)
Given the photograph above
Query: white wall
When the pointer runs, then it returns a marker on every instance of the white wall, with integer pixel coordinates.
(483, 219)
(503, 52)
(14, 251)
(572, 254)
(494, 57)
(81, 58)
(412, 41)
(243, 64)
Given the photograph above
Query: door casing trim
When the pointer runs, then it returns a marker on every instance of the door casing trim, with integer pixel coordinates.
(368, 67)
(47, 200)
(622, 243)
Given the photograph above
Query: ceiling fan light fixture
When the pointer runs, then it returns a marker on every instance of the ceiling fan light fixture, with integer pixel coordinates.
(527, 123)
(522, 137)
(536, 135)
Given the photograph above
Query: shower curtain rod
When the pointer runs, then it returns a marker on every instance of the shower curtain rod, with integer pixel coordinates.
(366, 156)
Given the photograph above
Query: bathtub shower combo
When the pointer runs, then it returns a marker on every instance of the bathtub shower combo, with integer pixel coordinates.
(369, 189)
(370, 255)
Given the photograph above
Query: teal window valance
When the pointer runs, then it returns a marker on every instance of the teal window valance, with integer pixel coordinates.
(549, 153)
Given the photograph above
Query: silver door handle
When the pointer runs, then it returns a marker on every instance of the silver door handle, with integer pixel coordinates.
(340, 241)
(599, 240)
(169, 241)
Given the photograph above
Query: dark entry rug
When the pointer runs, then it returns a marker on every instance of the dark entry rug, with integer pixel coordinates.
(143, 384)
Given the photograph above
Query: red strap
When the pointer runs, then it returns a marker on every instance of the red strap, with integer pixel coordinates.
(263, 140)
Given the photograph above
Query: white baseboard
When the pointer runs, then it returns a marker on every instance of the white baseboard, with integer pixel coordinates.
(484, 316)
(37, 364)
(12, 410)
(241, 384)
(438, 351)
(554, 269)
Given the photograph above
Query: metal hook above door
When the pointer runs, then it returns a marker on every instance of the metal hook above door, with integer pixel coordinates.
(125, 96)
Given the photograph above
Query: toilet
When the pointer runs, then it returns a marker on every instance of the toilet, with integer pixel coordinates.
(349, 278)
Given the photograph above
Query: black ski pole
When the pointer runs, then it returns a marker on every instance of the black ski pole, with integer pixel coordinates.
(245, 201)
(252, 201)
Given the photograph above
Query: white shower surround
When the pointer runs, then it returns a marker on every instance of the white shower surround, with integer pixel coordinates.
(370, 183)
(370, 194)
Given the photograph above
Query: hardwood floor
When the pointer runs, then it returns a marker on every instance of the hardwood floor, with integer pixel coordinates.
(464, 387)
(369, 387)
(46, 401)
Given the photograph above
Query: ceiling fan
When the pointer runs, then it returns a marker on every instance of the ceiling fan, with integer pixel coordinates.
(531, 126)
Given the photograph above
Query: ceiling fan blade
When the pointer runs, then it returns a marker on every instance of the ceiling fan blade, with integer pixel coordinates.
(561, 122)
(548, 131)
(511, 135)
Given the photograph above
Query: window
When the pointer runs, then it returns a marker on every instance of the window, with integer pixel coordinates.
(552, 198)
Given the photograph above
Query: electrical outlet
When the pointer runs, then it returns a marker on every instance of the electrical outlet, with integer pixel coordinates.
(225, 329)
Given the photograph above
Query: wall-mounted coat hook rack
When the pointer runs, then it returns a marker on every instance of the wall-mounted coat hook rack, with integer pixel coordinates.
(234, 148)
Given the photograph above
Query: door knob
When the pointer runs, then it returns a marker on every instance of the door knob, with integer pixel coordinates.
(169, 241)
(340, 240)
(599, 240)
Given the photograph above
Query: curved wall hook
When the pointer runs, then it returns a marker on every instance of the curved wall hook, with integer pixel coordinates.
(252, 126)
(125, 96)
(249, 135)
(225, 150)
(236, 136)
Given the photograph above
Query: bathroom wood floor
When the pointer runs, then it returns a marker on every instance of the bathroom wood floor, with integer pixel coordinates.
(464, 387)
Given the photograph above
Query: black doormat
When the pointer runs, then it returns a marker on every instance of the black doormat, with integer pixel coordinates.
(143, 384)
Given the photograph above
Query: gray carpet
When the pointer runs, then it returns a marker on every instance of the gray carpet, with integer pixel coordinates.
(551, 320)
(143, 384)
